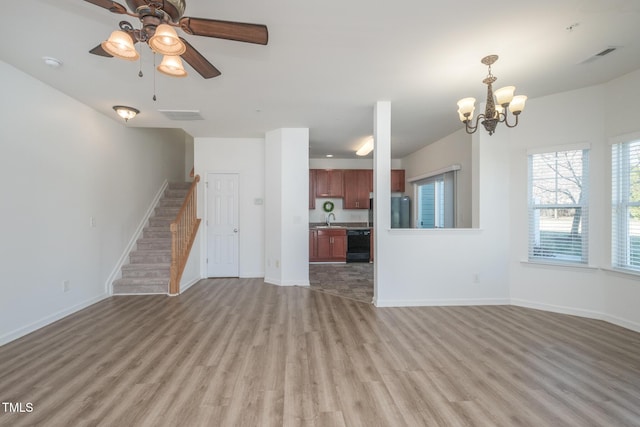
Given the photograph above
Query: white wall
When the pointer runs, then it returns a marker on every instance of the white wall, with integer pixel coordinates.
(244, 156)
(449, 266)
(62, 163)
(286, 207)
(453, 149)
(592, 115)
(188, 156)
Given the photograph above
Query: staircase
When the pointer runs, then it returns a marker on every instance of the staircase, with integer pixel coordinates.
(148, 271)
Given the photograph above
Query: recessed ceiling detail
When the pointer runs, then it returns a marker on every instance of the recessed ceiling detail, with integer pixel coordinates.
(182, 115)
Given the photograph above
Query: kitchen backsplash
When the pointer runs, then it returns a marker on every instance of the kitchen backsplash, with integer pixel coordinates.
(342, 215)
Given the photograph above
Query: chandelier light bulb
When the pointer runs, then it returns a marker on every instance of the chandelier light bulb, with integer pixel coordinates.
(466, 106)
(517, 104)
(504, 95)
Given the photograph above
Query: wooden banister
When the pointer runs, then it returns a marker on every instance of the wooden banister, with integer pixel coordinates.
(183, 233)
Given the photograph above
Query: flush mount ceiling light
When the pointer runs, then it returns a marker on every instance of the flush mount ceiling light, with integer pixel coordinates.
(366, 148)
(126, 112)
(496, 110)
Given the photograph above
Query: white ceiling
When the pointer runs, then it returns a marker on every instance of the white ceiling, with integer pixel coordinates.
(328, 62)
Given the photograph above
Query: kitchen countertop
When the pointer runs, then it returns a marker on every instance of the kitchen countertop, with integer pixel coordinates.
(339, 225)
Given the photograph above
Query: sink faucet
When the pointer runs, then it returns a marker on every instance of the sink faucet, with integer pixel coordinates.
(331, 214)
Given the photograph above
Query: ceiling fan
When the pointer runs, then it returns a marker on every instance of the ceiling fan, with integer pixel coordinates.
(158, 17)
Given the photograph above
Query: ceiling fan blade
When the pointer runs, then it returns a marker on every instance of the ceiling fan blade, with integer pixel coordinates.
(238, 31)
(199, 62)
(109, 5)
(98, 50)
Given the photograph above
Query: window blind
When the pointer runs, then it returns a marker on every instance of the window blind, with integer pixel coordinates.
(436, 201)
(558, 206)
(625, 205)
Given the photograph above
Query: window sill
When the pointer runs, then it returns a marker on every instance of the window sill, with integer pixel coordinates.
(622, 272)
(433, 231)
(561, 265)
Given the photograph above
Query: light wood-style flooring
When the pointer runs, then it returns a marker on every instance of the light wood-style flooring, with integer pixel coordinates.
(233, 352)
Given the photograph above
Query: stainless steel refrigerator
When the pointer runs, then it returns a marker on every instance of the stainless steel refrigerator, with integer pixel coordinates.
(401, 212)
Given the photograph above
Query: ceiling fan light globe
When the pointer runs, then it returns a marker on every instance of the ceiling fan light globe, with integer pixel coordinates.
(172, 66)
(120, 45)
(165, 41)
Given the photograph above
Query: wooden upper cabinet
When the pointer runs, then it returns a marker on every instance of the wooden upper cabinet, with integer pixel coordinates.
(397, 180)
(312, 188)
(357, 183)
(329, 183)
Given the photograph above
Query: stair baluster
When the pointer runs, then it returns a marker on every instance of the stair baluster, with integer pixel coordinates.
(183, 233)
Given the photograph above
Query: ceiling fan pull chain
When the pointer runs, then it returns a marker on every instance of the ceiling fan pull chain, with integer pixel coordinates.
(154, 76)
(140, 74)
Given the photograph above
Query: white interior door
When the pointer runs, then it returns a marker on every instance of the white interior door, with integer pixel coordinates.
(222, 225)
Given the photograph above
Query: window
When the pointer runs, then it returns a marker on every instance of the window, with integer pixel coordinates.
(435, 196)
(625, 205)
(558, 206)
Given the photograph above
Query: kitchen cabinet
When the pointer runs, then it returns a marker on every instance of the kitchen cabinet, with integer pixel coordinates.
(357, 185)
(397, 180)
(331, 245)
(313, 245)
(312, 188)
(329, 183)
(371, 245)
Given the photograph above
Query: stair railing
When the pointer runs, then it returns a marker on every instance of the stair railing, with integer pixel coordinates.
(183, 232)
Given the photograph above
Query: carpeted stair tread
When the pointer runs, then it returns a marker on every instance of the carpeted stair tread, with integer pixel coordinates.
(149, 265)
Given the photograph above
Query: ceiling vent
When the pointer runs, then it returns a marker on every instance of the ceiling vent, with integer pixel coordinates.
(182, 115)
(599, 55)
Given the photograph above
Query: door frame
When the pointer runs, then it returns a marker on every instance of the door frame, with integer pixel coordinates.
(205, 240)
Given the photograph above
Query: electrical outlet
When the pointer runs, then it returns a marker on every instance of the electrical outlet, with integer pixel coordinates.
(66, 286)
(476, 278)
(92, 222)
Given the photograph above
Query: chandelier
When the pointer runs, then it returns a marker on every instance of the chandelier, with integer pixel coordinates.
(496, 110)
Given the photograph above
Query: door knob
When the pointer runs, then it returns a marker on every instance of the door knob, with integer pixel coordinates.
(235, 230)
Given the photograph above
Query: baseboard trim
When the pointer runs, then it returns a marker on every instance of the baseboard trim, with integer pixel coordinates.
(115, 273)
(286, 282)
(439, 302)
(252, 275)
(189, 284)
(19, 333)
(589, 314)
